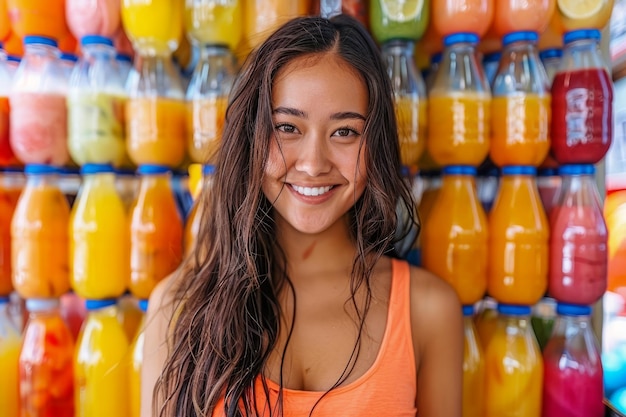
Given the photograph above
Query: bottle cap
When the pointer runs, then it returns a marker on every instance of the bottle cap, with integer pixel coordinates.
(88, 169)
(13, 58)
(492, 57)
(96, 40)
(91, 305)
(4, 299)
(577, 169)
(143, 305)
(436, 58)
(461, 37)
(124, 58)
(519, 170)
(208, 170)
(525, 35)
(580, 34)
(514, 310)
(39, 40)
(66, 56)
(40, 169)
(564, 309)
(468, 310)
(153, 169)
(459, 170)
(550, 53)
(42, 304)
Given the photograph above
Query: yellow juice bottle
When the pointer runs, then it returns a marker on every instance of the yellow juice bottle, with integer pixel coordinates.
(216, 22)
(136, 361)
(10, 345)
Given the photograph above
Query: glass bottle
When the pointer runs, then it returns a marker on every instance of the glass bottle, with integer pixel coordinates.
(45, 362)
(10, 345)
(214, 22)
(455, 235)
(514, 16)
(473, 368)
(520, 105)
(398, 19)
(518, 240)
(410, 99)
(459, 106)
(7, 157)
(39, 236)
(355, 8)
(582, 97)
(88, 17)
(449, 17)
(38, 120)
(37, 18)
(514, 366)
(207, 96)
(96, 105)
(573, 374)
(156, 231)
(551, 59)
(192, 225)
(11, 185)
(136, 354)
(491, 62)
(578, 239)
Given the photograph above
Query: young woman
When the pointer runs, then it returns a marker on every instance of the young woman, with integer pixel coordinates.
(294, 303)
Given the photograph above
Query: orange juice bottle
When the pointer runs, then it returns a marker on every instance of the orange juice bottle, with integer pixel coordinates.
(101, 363)
(513, 15)
(136, 361)
(39, 237)
(410, 99)
(214, 22)
(486, 320)
(45, 363)
(520, 106)
(459, 106)
(192, 225)
(591, 14)
(11, 184)
(10, 345)
(156, 231)
(518, 240)
(514, 366)
(207, 97)
(473, 368)
(99, 243)
(262, 17)
(129, 314)
(34, 17)
(473, 16)
(455, 235)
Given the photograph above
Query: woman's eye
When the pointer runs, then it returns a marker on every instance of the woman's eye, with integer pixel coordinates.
(286, 128)
(346, 131)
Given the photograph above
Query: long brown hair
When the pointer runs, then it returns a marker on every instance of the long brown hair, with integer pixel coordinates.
(226, 300)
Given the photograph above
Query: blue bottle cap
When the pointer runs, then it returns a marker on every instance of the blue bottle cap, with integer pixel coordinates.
(577, 169)
(524, 35)
(468, 310)
(40, 169)
(88, 169)
(577, 35)
(91, 305)
(153, 169)
(96, 40)
(436, 58)
(208, 169)
(519, 170)
(550, 53)
(492, 57)
(458, 170)
(547, 172)
(514, 310)
(40, 40)
(4, 299)
(565, 309)
(124, 58)
(13, 58)
(68, 57)
(143, 305)
(461, 37)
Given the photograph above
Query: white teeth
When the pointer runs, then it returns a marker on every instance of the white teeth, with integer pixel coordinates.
(311, 191)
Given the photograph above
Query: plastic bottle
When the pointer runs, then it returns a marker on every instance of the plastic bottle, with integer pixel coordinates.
(355, 8)
(572, 366)
(214, 22)
(455, 235)
(99, 241)
(192, 225)
(45, 363)
(518, 240)
(39, 236)
(96, 106)
(431, 73)
(7, 157)
(34, 17)
(549, 186)
(207, 96)
(542, 320)
(11, 184)
(459, 106)
(262, 17)
(473, 16)
(575, 14)
(582, 96)
(156, 231)
(514, 366)
(10, 345)
(136, 353)
(520, 104)
(491, 62)
(410, 99)
(101, 363)
(393, 19)
(551, 59)
(155, 27)
(514, 16)
(38, 115)
(93, 17)
(473, 368)
(578, 239)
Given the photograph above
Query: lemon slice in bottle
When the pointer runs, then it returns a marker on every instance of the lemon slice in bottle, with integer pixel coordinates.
(402, 10)
(580, 9)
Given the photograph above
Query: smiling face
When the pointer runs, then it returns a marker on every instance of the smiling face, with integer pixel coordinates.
(315, 170)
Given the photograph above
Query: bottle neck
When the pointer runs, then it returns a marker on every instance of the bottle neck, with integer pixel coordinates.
(41, 51)
(581, 54)
(580, 190)
(37, 180)
(99, 51)
(154, 181)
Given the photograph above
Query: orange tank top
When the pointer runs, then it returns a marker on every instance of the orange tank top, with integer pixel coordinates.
(388, 388)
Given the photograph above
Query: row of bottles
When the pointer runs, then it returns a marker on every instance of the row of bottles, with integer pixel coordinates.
(48, 372)
(521, 249)
(505, 372)
(99, 247)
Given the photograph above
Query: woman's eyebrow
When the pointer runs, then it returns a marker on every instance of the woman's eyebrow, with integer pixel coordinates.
(346, 115)
(335, 116)
(290, 112)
